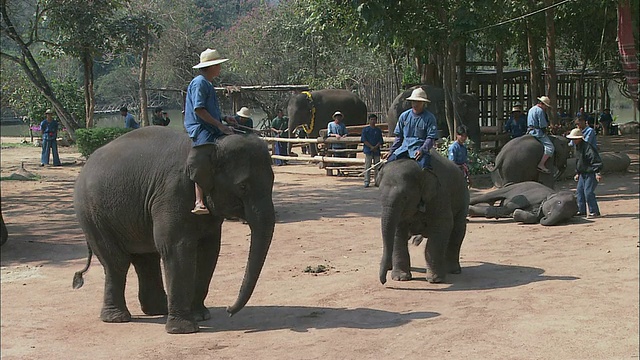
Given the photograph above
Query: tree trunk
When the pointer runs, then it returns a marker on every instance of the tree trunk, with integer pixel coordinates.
(144, 115)
(500, 114)
(461, 73)
(552, 79)
(534, 64)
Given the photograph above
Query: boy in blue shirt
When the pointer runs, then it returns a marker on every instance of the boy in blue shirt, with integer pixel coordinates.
(372, 139)
(458, 152)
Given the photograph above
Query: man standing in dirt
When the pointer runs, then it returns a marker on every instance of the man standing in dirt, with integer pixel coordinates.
(49, 129)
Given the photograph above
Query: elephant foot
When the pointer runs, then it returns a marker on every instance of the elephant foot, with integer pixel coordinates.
(455, 270)
(435, 279)
(113, 315)
(399, 275)
(176, 325)
(201, 313)
(159, 308)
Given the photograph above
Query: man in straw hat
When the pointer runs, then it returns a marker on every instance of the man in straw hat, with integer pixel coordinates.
(243, 118)
(516, 126)
(537, 124)
(588, 167)
(202, 116)
(416, 132)
(49, 129)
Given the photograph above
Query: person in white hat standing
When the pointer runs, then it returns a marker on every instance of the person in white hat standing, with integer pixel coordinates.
(202, 115)
(416, 132)
(588, 167)
(337, 129)
(537, 124)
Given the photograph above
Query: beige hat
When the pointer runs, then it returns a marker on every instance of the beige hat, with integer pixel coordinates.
(244, 112)
(575, 134)
(48, 111)
(545, 100)
(516, 108)
(337, 113)
(208, 58)
(418, 95)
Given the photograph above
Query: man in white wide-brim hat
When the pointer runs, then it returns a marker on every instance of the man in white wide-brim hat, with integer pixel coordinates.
(202, 115)
(588, 167)
(416, 131)
(243, 117)
(537, 124)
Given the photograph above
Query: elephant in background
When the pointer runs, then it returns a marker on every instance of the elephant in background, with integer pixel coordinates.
(468, 111)
(432, 204)
(316, 111)
(516, 162)
(133, 200)
(529, 202)
(611, 162)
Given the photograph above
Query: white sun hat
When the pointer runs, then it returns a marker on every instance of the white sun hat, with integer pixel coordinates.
(208, 58)
(244, 112)
(575, 134)
(545, 100)
(418, 95)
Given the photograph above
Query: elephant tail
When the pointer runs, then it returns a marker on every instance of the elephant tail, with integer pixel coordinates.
(78, 281)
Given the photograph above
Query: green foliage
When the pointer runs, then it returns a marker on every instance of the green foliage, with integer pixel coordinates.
(478, 161)
(89, 140)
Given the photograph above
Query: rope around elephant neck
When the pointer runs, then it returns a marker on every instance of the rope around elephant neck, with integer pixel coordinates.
(313, 114)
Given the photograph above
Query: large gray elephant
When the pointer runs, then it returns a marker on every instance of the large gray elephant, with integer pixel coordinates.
(612, 161)
(315, 109)
(433, 204)
(468, 111)
(529, 202)
(518, 160)
(133, 199)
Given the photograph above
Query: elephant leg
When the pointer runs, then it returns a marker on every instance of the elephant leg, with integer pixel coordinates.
(153, 299)
(180, 269)
(208, 252)
(455, 243)
(401, 263)
(435, 251)
(116, 266)
(478, 210)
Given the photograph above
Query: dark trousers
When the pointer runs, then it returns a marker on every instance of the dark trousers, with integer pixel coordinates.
(586, 195)
(49, 146)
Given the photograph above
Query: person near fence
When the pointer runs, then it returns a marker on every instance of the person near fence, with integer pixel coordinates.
(416, 132)
(605, 121)
(202, 116)
(516, 126)
(537, 124)
(49, 129)
(372, 142)
(337, 129)
(588, 167)
(129, 121)
(459, 154)
(279, 128)
(243, 118)
(588, 134)
(160, 118)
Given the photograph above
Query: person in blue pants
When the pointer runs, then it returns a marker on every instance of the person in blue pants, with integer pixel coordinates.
(49, 129)
(588, 167)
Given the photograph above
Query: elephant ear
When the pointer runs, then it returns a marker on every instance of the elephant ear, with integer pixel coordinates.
(430, 186)
(201, 165)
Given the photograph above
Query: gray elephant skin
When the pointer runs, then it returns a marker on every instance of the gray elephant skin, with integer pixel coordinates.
(517, 161)
(528, 202)
(612, 161)
(445, 201)
(133, 200)
(3, 231)
(326, 103)
(468, 111)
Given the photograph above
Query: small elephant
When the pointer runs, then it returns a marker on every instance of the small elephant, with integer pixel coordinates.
(431, 203)
(518, 158)
(528, 202)
(133, 200)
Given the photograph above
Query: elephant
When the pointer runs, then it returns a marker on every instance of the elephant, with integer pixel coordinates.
(612, 161)
(3, 231)
(529, 202)
(516, 162)
(315, 110)
(431, 203)
(468, 111)
(133, 200)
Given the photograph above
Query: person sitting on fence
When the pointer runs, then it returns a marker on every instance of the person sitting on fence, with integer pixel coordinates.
(458, 152)
(160, 117)
(243, 118)
(49, 129)
(416, 132)
(279, 126)
(516, 126)
(537, 124)
(338, 130)
(372, 139)
(605, 121)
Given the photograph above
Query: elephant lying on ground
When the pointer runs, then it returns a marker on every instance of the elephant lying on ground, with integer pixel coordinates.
(433, 204)
(529, 202)
(518, 159)
(133, 199)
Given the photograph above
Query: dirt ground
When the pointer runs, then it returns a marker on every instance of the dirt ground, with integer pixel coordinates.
(525, 292)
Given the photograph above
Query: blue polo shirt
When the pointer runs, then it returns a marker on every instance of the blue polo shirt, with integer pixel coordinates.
(201, 94)
(372, 135)
(413, 130)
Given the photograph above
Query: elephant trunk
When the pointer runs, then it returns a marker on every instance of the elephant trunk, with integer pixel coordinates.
(261, 220)
(389, 221)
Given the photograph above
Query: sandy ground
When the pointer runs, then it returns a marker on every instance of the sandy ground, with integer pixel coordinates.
(525, 292)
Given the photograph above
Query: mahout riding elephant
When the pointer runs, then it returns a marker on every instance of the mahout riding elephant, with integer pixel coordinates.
(516, 162)
(431, 203)
(467, 111)
(133, 199)
(315, 110)
(529, 202)
(3, 231)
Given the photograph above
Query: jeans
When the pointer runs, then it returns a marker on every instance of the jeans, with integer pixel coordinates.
(369, 160)
(586, 194)
(49, 146)
(280, 148)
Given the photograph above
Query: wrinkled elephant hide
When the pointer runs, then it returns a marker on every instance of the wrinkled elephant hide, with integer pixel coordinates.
(612, 162)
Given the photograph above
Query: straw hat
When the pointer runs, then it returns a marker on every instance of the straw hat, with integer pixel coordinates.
(418, 95)
(208, 58)
(545, 100)
(337, 113)
(516, 108)
(48, 111)
(244, 112)
(575, 134)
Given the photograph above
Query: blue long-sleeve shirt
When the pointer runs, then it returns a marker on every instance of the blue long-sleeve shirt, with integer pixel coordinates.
(129, 122)
(458, 153)
(49, 129)
(413, 132)
(201, 94)
(372, 135)
(516, 126)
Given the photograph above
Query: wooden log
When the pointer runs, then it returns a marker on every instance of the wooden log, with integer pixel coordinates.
(347, 140)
